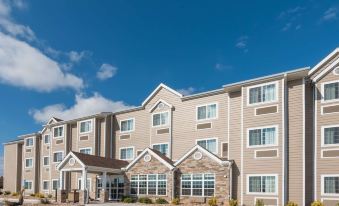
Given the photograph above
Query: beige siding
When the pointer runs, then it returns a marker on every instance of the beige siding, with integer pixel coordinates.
(12, 172)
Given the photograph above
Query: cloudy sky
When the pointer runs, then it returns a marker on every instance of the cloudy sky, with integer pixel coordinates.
(72, 58)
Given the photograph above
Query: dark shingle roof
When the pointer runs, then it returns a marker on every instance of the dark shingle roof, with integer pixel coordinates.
(164, 157)
(97, 161)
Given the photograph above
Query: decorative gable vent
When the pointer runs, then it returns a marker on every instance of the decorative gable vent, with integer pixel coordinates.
(161, 105)
(336, 71)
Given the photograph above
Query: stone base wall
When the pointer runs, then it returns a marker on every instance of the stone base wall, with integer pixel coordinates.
(61, 196)
(103, 196)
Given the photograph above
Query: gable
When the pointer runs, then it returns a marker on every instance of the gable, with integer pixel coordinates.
(160, 105)
(162, 92)
(325, 67)
(70, 162)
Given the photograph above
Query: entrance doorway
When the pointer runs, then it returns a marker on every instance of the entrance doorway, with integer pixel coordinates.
(114, 187)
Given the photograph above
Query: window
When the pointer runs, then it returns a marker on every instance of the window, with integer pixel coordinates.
(209, 144)
(163, 148)
(331, 185)
(29, 142)
(58, 131)
(45, 185)
(55, 184)
(207, 112)
(262, 184)
(331, 91)
(46, 161)
(262, 136)
(127, 125)
(28, 163)
(149, 184)
(127, 153)
(47, 139)
(86, 126)
(160, 119)
(86, 150)
(331, 135)
(28, 185)
(58, 156)
(262, 94)
(197, 185)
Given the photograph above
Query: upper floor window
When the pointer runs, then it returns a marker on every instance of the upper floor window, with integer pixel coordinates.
(58, 156)
(163, 148)
(58, 131)
(127, 125)
(46, 161)
(160, 119)
(205, 112)
(331, 185)
(331, 91)
(263, 93)
(86, 126)
(127, 153)
(28, 163)
(47, 139)
(86, 150)
(262, 184)
(331, 135)
(29, 142)
(209, 144)
(262, 136)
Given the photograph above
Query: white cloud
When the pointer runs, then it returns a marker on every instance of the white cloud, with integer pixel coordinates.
(77, 56)
(242, 43)
(291, 18)
(106, 71)
(187, 91)
(83, 106)
(330, 14)
(25, 66)
(222, 67)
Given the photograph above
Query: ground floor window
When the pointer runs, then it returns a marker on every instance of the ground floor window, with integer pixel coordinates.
(198, 184)
(150, 184)
(331, 184)
(55, 184)
(262, 184)
(28, 185)
(45, 185)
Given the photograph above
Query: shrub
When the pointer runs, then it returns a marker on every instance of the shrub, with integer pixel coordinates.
(290, 203)
(259, 203)
(1, 193)
(317, 203)
(232, 202)
(161, 201)
(44, 201)
(213, 201)
(32, 195)
(7, 192)
(14, 194)
(337, 204)
(145, 200)
(49, 196)
(176, 201)
(39, 195)
(127, 200)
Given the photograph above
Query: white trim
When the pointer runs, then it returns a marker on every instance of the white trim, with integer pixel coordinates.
(255, 153)
(43, 161)
(276, 83)
(42, 186)
(91, 127)
(323, 136)
(323, 185)
(52, 180)
(261, 193)
(157, 89)
(60, 151)
(162, 143)
(29, 167)
(334, 71)
(87, 187)
(202, 186)
(128, 131)
(323, 61)
(323, 92)
(156, 187)
(70, 154)
(261, 128)
(63, 132)
(255, 110)
(323, 150)
(212, 138)
(121, 148)
(161, 125)
(205, 105)
(325, 71)
(156, 104)
(84, 148)
(30, 146)
(322, 109)
(267, 198)
(327, 198)
(50, 139)
(304, 139)
(32, 185)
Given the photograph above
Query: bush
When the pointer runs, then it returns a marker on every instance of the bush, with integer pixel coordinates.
(161, 201)
(44, 201)
(317, 203)
(145, 200)
(259, 203)
(337, 204)
(39, 195)
(213, 201)
(14, 194)
(1, 193)
(232, 202)
(290, 203)
(49, 196)
(127, 200)
(176, 201)
(7, 192)
(32, 195)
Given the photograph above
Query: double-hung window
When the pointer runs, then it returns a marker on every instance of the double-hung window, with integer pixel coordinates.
(331, 91)
(85, 126)
(127, 153)
(331, 136)
(148, 184)
(45, 185)
(29, 142)
(163, 148)
(262, 136)
(28, 163)
(28, 185)
(206, 112)
(58, 132)
(47, 139)
(86, 151)
(55, 184)
(263, 93)
(197, 185)
(331, 185)
(127, 125)
(160, 119)
(265, 184)
(46, 161)
(209, 144)
(58, 156)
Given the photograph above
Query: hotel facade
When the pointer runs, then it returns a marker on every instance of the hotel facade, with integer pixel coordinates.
(274, 138)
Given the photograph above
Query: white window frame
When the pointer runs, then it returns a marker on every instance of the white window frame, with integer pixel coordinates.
(203, 184)
(205, 139)
(28, 167)
(323, 136)
(49, 139)
(121, 148)
(32, 186)
(323, 185)
(127, 131)
(323, 92)
(205, 105)
(43, 161)
(161, 125)
(261, 85)
(91, 127)
(58, 152)
(262, 193)
(29, 146)
(84, 148)
(164, 143)
(58, 184)
(43, 189)
(63, 132)
(266, 145)
(157, 180)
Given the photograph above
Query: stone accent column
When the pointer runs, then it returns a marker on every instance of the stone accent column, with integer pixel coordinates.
(103, 196)
(82, 197)
(61, 196)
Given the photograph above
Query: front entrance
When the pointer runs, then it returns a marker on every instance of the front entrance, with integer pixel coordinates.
(114, 187)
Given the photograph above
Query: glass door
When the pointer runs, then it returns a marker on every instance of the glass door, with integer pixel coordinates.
(116, 189)
(98, 188)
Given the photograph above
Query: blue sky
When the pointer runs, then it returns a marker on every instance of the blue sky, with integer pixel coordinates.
(70, 58)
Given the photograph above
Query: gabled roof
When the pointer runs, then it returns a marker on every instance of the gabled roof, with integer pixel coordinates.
(158, 89)
(322, 62)
(162, 101)
(156, 154)
(331, 66)
(220, 161)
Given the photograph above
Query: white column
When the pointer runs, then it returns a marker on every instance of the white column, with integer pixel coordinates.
(84, 179)
(61, 180)
(104, 180)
